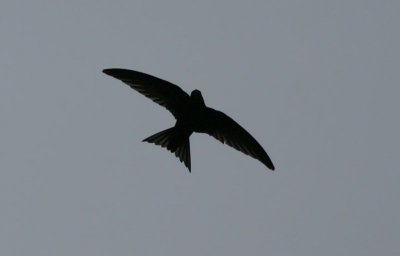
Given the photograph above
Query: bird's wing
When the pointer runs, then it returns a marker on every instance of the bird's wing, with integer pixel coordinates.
(226, 130)
(168, 95)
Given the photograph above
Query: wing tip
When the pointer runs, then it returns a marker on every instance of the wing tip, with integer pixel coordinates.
(114, 72)
(108, 71)
(267, 162)
(120, 73)
(270, 165)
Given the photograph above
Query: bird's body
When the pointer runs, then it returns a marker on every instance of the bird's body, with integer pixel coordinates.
(192, 115)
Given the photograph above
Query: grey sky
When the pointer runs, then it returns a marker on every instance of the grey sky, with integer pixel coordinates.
(315, 82)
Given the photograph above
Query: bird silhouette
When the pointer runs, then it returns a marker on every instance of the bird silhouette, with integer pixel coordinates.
(192, 115)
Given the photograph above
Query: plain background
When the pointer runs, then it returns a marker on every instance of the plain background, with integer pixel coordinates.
(315, 82)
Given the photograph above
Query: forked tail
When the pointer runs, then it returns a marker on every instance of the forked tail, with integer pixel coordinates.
(176, 141)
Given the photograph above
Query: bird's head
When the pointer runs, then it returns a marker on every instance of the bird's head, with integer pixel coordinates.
(197, 98)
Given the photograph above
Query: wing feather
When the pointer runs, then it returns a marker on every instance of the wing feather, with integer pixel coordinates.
(229, 132)
(166, 94)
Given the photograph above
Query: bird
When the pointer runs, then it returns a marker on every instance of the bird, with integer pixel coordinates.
(192, 115)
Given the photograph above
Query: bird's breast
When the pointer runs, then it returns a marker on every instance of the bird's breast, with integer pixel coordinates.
(194, 119)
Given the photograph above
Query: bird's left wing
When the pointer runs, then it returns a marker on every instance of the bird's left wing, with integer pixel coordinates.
(226, 130)
(167, 94)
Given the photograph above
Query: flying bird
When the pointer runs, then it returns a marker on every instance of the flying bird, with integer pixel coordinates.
(192, 115)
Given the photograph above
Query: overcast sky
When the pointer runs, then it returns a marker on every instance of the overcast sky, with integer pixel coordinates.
(316, 82)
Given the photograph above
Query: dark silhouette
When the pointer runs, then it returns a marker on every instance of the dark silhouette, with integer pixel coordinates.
(192, 115)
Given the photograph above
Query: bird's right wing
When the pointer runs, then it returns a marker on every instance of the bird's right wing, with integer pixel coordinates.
(168, 95)
(226, 130)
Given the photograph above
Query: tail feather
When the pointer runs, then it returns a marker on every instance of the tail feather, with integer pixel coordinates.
(175, 141)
